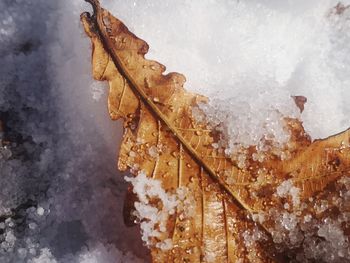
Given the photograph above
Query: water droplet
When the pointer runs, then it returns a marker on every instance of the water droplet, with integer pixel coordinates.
(156, 99)
(199, 133)
(192, 239)
(153, 67)
(189, 250)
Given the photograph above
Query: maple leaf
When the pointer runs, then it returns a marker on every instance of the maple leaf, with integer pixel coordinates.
(234, 207)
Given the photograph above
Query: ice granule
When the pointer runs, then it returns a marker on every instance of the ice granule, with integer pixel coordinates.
(44, 257)
(154, 218)
(153, 151)
(165, 245)
(287, 188)
(245, 121)
(259, 217)
(40, 211)
(289, 221)
(250, 237)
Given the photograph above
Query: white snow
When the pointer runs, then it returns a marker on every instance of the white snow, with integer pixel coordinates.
(253, 55)
(60, 162)
(154, 215)
(286, 188)
(106, 254)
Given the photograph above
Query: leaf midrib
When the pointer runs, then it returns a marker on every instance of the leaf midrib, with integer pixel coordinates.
(139, 92)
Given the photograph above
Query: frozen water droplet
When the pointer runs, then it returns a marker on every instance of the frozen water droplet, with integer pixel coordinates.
(199, 132)
(40, 211)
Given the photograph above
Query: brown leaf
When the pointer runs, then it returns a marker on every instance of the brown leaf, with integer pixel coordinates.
(167, 143)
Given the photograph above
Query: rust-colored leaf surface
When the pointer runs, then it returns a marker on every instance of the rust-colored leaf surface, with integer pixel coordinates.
(164, 141)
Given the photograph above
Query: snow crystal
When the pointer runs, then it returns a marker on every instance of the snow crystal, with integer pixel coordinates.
(97, 89)
(153, 151)
(40, 211)
(260, 217)
(316, 235)
(153, 218)
(242, 123)
(287, 188)
(289, 221)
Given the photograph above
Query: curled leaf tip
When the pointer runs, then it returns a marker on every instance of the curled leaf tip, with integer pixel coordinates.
(95, 4)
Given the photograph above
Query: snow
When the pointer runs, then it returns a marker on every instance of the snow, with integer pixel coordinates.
(155, 206)
(253, 55)
(287, 188)
(60, 191)
(58, 144)
(106, 254)
(318, 237)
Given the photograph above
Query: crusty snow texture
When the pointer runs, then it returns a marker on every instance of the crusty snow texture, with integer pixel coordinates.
(250, 56)
(61, 197)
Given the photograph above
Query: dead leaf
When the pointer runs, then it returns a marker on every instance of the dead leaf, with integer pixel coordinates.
(163, 139)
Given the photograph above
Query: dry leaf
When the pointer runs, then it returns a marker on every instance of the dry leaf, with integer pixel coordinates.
(232, 217)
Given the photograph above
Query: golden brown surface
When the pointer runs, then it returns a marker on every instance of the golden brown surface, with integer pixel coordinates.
(156, 110)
